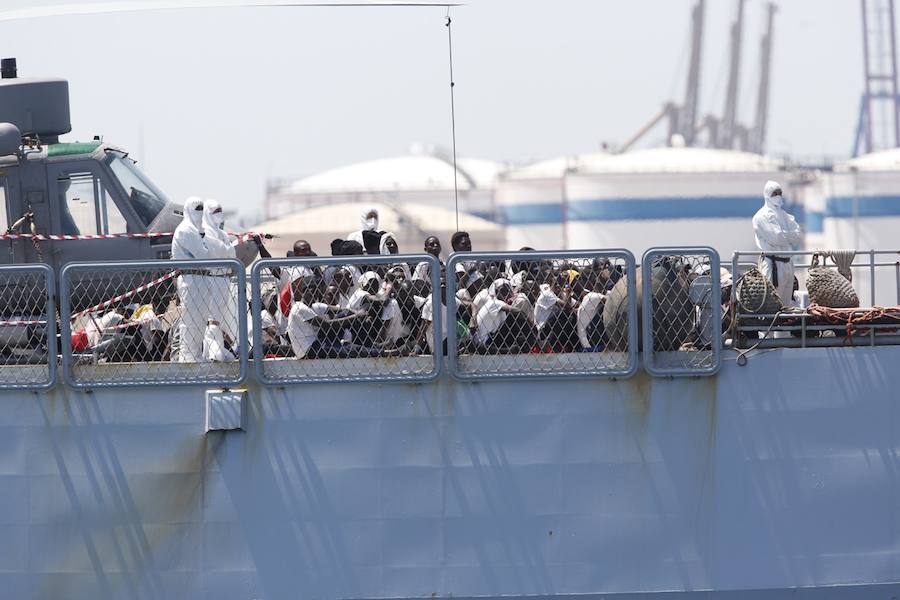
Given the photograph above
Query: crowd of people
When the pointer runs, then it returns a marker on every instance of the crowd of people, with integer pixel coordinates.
(352, 310)
(348, 309)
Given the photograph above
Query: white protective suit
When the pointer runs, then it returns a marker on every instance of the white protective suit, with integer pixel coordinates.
(367, 225)
(776, 231)
(223, 293)
(188, 243)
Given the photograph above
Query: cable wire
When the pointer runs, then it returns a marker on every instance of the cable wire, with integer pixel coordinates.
(448, 25)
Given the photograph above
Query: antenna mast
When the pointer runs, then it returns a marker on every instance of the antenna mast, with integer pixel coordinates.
(878, 131)
(688, 118)
(758, 134)
(728, 130)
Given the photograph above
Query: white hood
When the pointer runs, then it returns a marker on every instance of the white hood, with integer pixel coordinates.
(188, 241)
(216, 238)
(366, 223)
(193, 217)
(773, 199)
(383, 249)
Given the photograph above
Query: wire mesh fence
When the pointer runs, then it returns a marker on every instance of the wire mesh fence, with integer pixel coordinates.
(529, 314)
(27, 327)
(360, 318)
(681, 310)
(160, 322)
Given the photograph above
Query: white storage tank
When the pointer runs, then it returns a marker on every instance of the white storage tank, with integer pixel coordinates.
(862, 212)
(655, 197)
(424, 178)
(531, 201)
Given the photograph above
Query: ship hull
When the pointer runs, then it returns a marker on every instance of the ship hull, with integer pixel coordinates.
(775, 479)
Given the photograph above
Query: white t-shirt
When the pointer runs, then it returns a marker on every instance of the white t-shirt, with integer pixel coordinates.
(98, 326)
(544, 307)
(391, 313)
(422, 271)
(480, 300)
(590, 304)
(300, 327)
(428, 315)
(357, 298)
(289, 274)
(489, 319)
(265, 320)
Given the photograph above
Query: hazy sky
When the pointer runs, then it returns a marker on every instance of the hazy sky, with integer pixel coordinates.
(215, 101)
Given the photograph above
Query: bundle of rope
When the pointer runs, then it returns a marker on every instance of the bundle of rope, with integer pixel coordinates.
(851, 318)
(828, 287)
(756, 295)
(842, 259)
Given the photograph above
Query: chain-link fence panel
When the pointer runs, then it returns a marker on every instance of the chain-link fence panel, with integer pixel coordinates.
(682, 294)
(154, 323)
(28, 355)
(348, 319)
(538, 314)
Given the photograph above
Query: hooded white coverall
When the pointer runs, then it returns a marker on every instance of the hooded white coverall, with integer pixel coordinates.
(223, 293)
(367, 225)
(188, 243)
(776, 231)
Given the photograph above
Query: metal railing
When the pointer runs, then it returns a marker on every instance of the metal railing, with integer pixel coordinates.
(542, 314)
(153, 323)
(681, 311)
(347, 319)
(28, 354)
(876, 321)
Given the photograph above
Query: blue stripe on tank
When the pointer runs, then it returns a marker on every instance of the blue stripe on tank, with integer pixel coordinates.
(869, 206)
(632, 209)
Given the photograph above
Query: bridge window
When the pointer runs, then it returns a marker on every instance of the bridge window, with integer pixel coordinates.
(86, 207)
(78, 204)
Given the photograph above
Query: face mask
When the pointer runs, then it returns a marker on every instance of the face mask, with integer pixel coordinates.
(219, 219)
(372, 224)
(776, 201)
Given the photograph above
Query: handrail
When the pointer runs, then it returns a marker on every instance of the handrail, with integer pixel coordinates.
(352, 366)
(617, 362)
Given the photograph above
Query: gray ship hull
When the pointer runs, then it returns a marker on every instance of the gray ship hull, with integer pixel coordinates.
(774, 480)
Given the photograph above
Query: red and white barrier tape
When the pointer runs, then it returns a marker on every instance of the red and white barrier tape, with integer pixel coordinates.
(240, 237)
(42, 237)
(14, 323)
(126, 295)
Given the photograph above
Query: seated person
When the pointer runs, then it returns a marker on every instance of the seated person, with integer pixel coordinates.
(379, 328)
(554, 313)
(425, 336)
(501, 327)
(589, 314)
(306, 321)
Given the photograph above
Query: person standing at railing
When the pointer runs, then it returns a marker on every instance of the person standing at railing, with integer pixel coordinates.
(776, 232)
(188, 243)
(422, 271)
(222, 292)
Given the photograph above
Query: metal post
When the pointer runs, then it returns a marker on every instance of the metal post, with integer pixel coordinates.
(564, 209)
(895, 100)
(872, 288)
(897, 280)
(872, 277)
